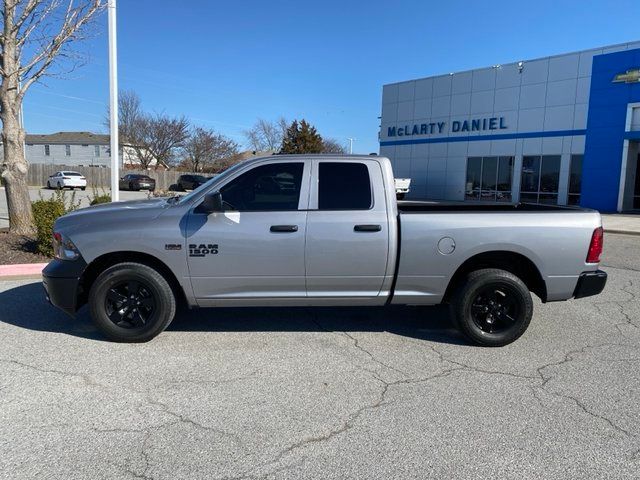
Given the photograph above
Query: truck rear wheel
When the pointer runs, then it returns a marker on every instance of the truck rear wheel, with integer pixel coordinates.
(131, 302)
(492, 307)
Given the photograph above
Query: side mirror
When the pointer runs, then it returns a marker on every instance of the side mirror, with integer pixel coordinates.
(212, 202)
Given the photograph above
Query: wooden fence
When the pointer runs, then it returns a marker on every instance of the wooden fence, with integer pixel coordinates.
(98, 176)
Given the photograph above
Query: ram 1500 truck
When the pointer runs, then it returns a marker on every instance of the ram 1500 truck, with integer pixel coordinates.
(304, 230)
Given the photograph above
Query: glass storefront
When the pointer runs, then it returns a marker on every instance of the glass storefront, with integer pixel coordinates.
(489, 179)
(575, 180)
(540, 179)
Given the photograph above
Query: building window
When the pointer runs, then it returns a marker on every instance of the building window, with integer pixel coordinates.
(540, 179)
(489, 179)
(96, 150)
(575, 180)
(67, 150)
(47, 150)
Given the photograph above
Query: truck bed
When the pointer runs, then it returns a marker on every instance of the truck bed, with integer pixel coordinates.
(436, 238)
(412, 206)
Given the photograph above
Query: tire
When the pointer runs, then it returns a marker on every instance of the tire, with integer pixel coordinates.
(48, 184)
(83, 188)
(146, 315)
(492, 307)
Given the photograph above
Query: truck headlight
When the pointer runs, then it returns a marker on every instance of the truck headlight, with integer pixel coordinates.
(63, 248)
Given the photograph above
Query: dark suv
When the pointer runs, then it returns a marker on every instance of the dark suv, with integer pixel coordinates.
(190, 182)
(135, 181)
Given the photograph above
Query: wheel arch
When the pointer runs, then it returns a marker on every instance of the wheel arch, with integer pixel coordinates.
(512, 262)
(101, 263)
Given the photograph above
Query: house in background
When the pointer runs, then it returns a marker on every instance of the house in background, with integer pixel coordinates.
(76, 149)
(69, 148)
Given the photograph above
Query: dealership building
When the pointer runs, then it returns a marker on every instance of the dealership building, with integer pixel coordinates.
(561, 130)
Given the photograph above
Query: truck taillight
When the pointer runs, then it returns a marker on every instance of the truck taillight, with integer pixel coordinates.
(595, 247)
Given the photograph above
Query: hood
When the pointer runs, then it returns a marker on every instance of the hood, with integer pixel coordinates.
(116, 211)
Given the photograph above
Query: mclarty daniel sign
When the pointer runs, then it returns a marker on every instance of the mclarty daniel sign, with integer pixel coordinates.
(472, 125)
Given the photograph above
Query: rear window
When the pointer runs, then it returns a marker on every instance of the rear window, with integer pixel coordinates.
(72, 174)
(344, 186)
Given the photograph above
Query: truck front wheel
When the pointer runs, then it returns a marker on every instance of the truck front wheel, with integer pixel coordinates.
(131, 302)
(492, 307)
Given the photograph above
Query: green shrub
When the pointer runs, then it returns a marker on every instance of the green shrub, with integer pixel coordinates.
(104, 198)
(45, 213)
(99, 196)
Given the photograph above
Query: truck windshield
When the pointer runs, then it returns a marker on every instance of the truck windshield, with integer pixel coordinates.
(196, 192)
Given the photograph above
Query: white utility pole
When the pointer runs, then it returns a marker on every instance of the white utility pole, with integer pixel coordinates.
(113, 102)
(350, 145)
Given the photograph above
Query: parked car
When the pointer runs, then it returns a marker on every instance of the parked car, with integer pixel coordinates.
(327, 231)
(135, 181)
(67, 179)
(190, 182)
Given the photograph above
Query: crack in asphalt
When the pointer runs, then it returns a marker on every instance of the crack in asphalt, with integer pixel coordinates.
(346, 425)
(570, 357)
(86, 379)
(629, 269)
(621, 306)
(356, 343)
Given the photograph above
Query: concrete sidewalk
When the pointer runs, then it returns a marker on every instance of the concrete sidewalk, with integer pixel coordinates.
(621, 223)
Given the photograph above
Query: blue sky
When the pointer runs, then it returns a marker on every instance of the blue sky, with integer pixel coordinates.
(224, 64)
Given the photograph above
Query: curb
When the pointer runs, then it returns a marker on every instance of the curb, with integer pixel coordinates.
(21, 270)
(622, 232)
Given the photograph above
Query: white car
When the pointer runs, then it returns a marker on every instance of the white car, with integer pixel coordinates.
(67, 179)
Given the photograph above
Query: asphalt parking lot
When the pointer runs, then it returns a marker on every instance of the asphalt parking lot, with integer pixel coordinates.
(328, 393)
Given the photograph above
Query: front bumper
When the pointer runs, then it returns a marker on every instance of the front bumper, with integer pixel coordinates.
(590, 283)
(60, 279)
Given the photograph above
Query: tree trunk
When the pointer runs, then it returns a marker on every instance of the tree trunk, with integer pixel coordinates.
(14, 165)
(14, 171)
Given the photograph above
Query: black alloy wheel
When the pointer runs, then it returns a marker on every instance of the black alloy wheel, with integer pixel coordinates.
(495, 308)
(492, 307)
(130, 304)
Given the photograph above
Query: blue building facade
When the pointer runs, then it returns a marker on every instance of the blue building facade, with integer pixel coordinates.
(559, 130)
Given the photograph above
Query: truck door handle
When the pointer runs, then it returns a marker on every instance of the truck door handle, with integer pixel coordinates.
(284, 228)
(367, 228)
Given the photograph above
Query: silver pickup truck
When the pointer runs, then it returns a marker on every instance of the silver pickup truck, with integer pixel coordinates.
(307, 230)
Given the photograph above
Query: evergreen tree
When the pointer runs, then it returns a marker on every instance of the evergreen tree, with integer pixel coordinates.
(301, 137)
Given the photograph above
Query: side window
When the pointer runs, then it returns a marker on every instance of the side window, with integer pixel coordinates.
(344, 186)
(269, 187)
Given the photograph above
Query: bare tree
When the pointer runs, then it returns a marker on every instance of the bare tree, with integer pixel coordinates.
(329, 145)
(129, 115)
(205, 146)
(266, 135)
(36, 36)
(158, 137)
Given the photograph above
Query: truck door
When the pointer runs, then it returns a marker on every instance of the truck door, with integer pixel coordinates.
(347, 231)
(255, 248)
